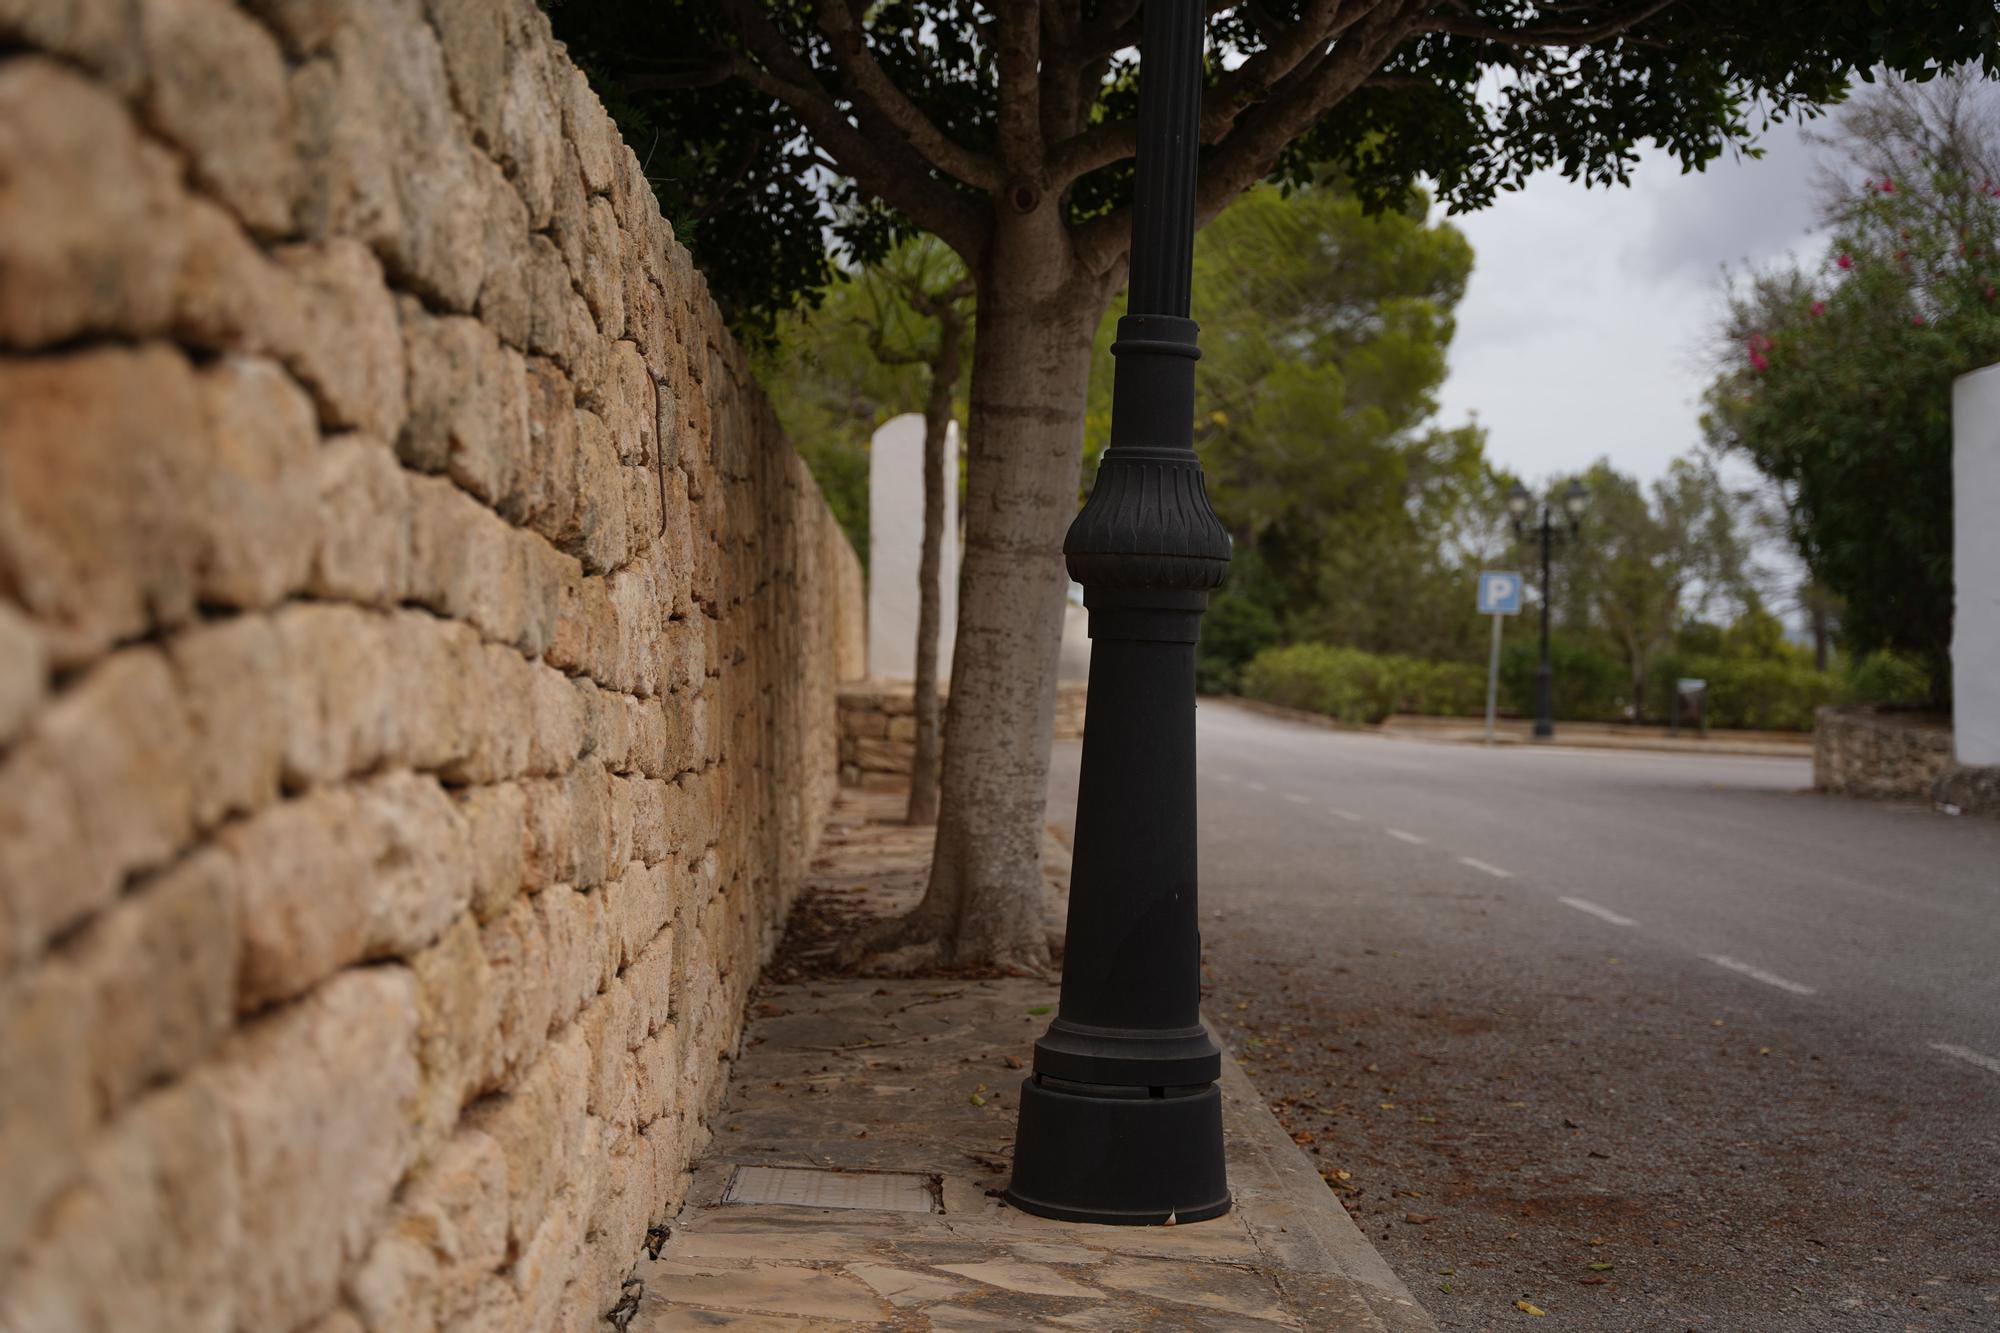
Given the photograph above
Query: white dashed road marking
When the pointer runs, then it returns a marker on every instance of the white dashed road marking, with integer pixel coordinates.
(1758, 974)
(1485, 866)
(1256, 786)
(1296, 799)
(1227, 777)
(1347, 815)
(1601, 913)
(1970, 1056)
(1407, 837)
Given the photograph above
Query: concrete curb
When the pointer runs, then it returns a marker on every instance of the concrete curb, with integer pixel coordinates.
(1294, 1217)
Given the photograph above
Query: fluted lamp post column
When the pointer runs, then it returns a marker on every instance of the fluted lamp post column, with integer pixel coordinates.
(1121, 1120)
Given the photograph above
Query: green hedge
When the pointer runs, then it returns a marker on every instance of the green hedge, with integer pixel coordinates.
(1758, 694)
(1362, 688)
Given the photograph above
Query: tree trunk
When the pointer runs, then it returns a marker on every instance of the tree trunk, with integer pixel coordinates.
(944, 366)
(1036, 315)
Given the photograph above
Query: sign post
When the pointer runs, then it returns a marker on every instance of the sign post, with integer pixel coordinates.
(1499, 595)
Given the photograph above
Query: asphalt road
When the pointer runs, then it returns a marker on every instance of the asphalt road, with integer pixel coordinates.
(1643, 1041)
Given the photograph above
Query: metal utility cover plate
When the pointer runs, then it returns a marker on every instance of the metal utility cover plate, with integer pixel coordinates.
(804, 1187)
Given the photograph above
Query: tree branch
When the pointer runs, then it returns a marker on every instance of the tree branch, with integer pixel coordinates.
(1298, 47)
(1535, 35)
(881, 163)
(869, 85)
(1259, 134)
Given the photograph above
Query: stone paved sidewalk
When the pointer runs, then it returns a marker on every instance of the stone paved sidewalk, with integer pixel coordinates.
(904, 1092)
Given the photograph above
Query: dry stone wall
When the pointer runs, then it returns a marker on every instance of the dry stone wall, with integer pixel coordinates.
(417, 662)
(878, 729)
(1883, 756)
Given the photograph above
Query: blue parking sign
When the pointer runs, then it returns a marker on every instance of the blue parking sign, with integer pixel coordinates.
(1499, 593)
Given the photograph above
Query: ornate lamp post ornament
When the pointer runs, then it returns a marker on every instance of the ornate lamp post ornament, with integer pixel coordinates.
(1121, 1120)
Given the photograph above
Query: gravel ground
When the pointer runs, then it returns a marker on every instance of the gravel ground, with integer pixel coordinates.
(1616, 1150)
(1523, 1103)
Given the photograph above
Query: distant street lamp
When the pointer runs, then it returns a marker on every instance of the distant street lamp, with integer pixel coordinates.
(1575, 499)
(1121, 1120)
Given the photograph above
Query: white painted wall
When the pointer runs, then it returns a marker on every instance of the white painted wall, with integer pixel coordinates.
(1975, 640)
(896, 545)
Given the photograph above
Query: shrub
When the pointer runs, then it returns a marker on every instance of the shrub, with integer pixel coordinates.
(1345, 683)
(1362, 688)
(1589, 686)
(1886, 680)
(1759, 694)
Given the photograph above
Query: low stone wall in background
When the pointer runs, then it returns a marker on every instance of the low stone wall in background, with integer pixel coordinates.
(1881, 755)
(878, 729)
(417, 648)
(1970, 789)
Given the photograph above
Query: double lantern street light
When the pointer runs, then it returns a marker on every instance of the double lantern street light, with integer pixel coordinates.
(1575, 499)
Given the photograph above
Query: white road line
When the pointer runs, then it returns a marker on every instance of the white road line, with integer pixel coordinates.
(1347, 815)
(1758, 974)
(1488, 867)
(1601, 913)
(1407, 837)
(1296, 799)
(1970, 1056)
(1256, 786)
(1227, 777)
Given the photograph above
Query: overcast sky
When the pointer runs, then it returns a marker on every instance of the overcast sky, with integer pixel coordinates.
(1586, 329)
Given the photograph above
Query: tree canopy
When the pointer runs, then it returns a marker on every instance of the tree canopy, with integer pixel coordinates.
(1838, 385)
(765, 122)
(1324, 332)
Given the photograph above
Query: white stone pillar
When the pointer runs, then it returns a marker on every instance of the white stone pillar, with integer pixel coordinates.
(1975, 639)
(896, 545)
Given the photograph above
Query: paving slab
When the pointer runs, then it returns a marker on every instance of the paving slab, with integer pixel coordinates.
(861, 1076)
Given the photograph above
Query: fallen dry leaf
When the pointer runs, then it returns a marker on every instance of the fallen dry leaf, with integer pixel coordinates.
(1529, 1307)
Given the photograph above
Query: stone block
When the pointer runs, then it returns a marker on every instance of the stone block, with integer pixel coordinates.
(496, 842)
(603, 277)
(363, 553)
(98, 790)
(472, 34)
(157, 975)
(24, 672)
(395, 1289)
(458, 1015)
(349, 350)
(47, 1106)
(344, 875)
(216, 86)
(468, 413)
(466, 562)
(231, 677)
(151, 1234)
(539, 1127)
(517, 955)
(258, 495)
(92, 224)
(319, 1101)
(882, 756)
(458, 1204)
(529, 143)
(101, 537)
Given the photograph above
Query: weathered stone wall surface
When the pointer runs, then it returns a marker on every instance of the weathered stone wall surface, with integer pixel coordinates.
(878, 729)
(417, 661)
(1886, 756)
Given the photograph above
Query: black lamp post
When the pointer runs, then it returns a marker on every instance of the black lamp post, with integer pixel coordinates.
(1121, 1120)
(1575, 499)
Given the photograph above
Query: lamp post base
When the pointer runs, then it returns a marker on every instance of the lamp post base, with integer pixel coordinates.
(1123, 1156)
